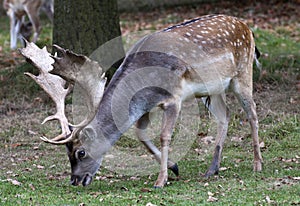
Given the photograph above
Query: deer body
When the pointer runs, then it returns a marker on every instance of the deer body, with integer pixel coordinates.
(204, 57)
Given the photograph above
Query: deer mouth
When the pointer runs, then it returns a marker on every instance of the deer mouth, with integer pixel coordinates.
(84, 180)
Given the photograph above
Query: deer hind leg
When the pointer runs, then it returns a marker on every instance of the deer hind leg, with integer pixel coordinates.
(244, 94)
(141, 127)
(170, 115)
(33, 15)
(219, 109)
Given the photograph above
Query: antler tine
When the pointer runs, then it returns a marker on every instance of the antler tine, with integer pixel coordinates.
(53, 85)
(55, 72)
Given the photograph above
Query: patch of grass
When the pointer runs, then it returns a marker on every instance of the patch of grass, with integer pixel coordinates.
(237, 184)
(280, 55)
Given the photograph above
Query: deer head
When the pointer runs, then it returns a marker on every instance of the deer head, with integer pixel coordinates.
(56, 77)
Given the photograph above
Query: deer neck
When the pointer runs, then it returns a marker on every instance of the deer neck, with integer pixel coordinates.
(138, 86)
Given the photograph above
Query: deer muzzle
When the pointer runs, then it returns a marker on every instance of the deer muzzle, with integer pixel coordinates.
(85, 180)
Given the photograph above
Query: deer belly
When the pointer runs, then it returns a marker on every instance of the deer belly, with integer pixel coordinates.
(204, 88)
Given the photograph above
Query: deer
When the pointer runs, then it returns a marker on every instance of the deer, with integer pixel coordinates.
(18, 9)
(205, 57)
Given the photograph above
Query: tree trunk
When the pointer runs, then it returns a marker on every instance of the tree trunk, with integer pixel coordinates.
(83, 26)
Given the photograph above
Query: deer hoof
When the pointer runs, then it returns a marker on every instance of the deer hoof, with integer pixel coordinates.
(174, 168)
(210, 173)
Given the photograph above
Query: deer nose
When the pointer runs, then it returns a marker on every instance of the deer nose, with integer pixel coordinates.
(75, 180)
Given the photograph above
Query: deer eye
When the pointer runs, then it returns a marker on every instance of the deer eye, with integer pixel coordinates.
(81, 154)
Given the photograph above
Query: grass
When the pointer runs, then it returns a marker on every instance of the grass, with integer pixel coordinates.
(43, 179)
(280, 55)
(34, 173)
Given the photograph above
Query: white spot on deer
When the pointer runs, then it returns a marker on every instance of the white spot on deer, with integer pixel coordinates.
(188, 34)
(199, 36)
(186, 39)
(203, 42)
(226, 32)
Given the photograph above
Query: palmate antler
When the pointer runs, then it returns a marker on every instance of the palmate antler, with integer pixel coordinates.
(55, 74)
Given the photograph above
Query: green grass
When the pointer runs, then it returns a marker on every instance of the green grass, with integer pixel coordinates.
(280, 55)
(236, 185)
(34, 173)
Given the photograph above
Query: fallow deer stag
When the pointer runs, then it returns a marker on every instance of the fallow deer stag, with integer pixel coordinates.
(18, 9)
(204, 57)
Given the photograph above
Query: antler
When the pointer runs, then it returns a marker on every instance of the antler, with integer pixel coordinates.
(55, 72)
(86, 74)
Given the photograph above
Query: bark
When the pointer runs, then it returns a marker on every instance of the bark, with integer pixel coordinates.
(83, 26)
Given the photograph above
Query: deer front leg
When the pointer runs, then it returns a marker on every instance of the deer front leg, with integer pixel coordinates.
(171, 112)
(141, 127)
(218, 108)
(14, 29)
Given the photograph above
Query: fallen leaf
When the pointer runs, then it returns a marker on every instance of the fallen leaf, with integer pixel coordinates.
(237, 139)
(40, 167)
(223, 168)
(14, 182)
(32, 187)
(208, 139)
(268, 199)
(146, 190)
(32, 132)
(124, 188)
(212, 199)
(16, 145)
(150, 204)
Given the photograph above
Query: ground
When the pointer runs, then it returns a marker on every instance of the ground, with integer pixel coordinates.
(32, 172)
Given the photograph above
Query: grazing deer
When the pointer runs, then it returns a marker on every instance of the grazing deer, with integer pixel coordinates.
(18, 9)
(204, 57)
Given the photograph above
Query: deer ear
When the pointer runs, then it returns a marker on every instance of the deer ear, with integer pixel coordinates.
(88, 134)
